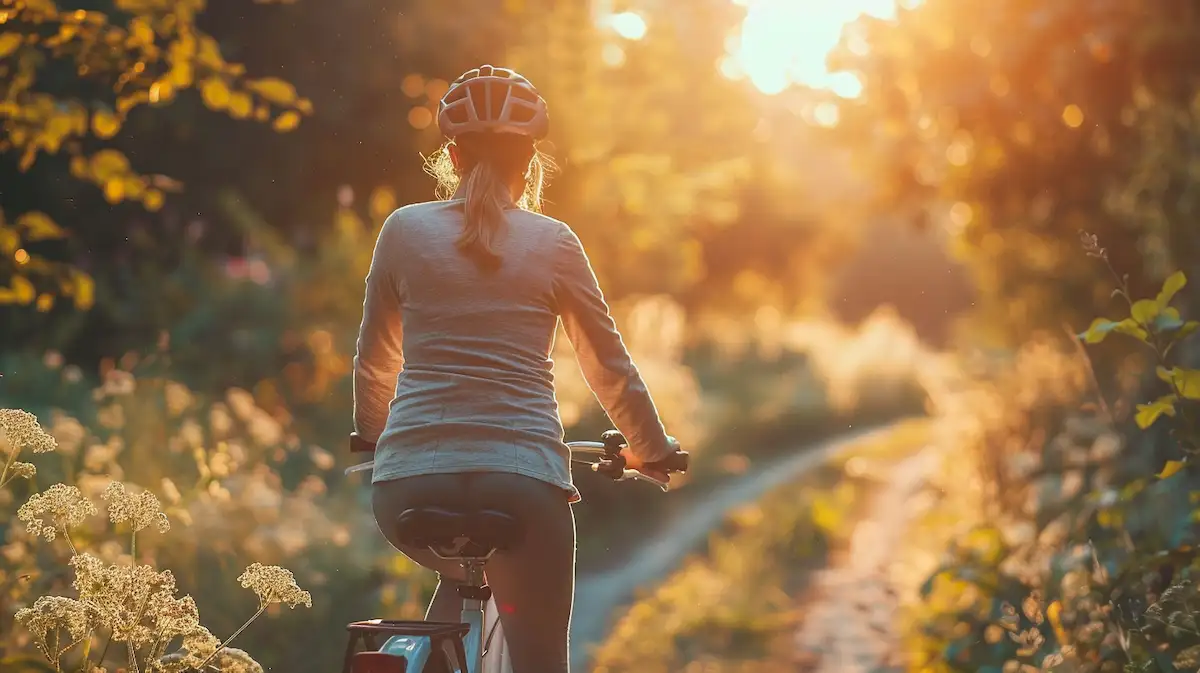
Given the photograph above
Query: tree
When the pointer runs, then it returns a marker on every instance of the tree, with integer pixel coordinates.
(72, 79)
(1016, 124)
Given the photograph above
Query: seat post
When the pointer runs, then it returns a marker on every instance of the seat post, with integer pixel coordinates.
(474, 593)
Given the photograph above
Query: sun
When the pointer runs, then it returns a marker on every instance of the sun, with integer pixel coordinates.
(785, 42)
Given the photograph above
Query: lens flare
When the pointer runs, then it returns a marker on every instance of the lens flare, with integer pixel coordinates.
(785, 42)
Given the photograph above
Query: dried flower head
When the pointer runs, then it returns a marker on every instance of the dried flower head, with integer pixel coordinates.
(274, 584)
(1091, 245)
(198, 646)
(48, 614)
(137, 602)
(233, 660)
(22, 430)
(22, 470)
(141, 510)
(66, 507)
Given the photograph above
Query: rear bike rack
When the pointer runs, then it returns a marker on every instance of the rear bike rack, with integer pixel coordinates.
(366, 634)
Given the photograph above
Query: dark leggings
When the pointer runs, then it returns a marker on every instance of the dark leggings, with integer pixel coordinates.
(533, 584)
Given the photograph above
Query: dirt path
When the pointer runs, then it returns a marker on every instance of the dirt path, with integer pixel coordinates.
(599, 595)
(850, 610)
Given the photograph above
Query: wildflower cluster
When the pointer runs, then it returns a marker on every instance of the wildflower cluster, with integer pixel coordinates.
(132, 604)
(19, 430)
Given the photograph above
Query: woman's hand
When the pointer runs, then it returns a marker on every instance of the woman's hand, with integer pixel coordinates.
(632, 462)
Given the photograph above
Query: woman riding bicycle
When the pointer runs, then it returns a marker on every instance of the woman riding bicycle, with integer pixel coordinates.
(453, 378)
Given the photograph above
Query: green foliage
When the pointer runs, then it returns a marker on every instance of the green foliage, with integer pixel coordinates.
(1100, 551)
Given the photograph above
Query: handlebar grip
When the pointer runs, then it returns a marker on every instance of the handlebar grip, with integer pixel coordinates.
(676, 462)
(360, 445)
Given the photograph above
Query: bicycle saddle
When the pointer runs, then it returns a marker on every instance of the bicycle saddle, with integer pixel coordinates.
(483, 530)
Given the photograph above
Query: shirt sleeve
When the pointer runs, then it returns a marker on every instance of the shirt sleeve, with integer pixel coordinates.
(380, 355)
(603, 358)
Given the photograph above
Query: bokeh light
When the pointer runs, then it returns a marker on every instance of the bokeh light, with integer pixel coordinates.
(629, 25)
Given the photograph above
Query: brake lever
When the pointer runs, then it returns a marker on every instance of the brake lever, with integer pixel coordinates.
(361, 467)
(641, 476)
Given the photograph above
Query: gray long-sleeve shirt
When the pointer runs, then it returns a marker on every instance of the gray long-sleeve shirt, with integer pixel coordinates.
(453, 371)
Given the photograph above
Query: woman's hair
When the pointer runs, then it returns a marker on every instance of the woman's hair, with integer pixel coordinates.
(489, 164)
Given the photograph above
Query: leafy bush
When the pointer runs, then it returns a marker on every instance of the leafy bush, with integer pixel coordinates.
(1087, 560)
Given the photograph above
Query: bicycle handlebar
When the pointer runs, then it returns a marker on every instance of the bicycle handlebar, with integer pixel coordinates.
(611, 463)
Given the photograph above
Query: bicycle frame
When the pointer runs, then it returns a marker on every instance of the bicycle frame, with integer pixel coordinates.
(480, 646)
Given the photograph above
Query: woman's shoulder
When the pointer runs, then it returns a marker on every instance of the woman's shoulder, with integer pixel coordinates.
(419, 210)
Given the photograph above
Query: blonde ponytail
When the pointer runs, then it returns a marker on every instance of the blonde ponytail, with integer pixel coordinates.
(489, 166)
(486, 197)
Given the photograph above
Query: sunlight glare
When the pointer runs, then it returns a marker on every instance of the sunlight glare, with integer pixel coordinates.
(785, 42)
(629, 25)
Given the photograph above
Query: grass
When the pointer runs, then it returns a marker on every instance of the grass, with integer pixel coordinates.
(734, 607)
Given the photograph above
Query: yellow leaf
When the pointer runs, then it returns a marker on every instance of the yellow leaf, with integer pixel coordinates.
(274, 90)
(140, 32)
(153, 200)
(24, 290)
(286, 122)
(1170, 468)
(182, 75)
(105, 124)
(45, 302)
(1132, 328)
(84, 291)
(9, 42)
(162, 91)
(1187, 382)
(7, 296)
(1054, 615)
(39, 227)
(215, 93)
(127, 103)
(1147, 414)
(1132, 489)
(1098, 330)
(240, 105)
(114, 190)
(10, 240)
(1144, 311)
(1171, 286)
(108, 163)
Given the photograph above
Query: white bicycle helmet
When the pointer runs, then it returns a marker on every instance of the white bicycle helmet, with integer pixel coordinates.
(493, 100)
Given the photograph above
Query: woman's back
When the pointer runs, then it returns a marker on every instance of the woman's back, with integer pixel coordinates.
(475, 390)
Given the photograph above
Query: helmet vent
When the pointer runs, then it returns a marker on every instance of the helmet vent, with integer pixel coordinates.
(521, 114)
(524, 94)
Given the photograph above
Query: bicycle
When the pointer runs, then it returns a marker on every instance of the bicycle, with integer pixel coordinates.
(476, 644)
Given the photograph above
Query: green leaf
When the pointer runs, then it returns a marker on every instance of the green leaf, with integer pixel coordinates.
(1147, 414)
(1171, 468)
(1171, 286)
